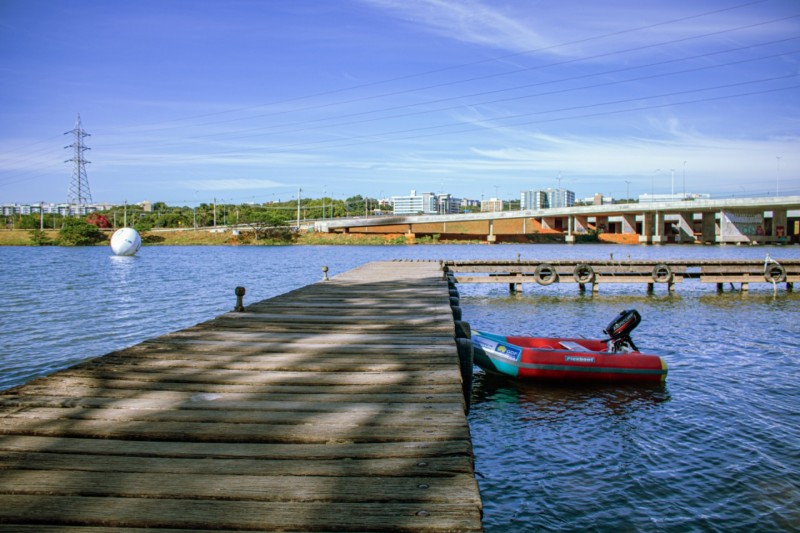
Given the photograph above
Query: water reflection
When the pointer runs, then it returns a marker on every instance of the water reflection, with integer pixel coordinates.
(550, 400)
(122, 266)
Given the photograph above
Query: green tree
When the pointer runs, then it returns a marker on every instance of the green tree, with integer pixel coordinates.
(39, 238)
(78, 232)
(269, 225)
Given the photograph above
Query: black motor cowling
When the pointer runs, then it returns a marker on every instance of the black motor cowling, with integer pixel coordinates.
(619, 330)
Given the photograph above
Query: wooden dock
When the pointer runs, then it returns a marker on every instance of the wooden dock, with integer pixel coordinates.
(649, 273)
(335, 407)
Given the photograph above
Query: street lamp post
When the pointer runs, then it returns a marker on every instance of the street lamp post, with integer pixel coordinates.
(653, 185)
(684, 180)
(672, 170)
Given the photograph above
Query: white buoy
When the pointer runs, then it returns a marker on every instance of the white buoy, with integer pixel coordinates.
(126, 241)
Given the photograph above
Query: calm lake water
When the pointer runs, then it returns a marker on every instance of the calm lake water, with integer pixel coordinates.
(717, 448)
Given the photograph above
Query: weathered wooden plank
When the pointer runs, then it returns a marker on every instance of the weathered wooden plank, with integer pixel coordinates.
(200, 345)
(296, 348)
(427, 322)
(375, 339)
(618, 278)
(305, 329)
(290, 465)
(250, 354)
(245, 456)
(223, 431)
(359, 307)
(225, 376)
(244, 487)
(265, 364)
(221, 402)
(341, 419)
(63, 385)
(211, 514)
(44, 528)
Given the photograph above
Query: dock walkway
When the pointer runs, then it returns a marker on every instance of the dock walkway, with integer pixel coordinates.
(335, 407)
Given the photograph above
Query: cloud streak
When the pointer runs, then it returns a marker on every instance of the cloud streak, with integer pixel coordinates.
(236, 184)
(468, 21)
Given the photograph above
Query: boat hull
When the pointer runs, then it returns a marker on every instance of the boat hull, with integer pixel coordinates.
(563, 359)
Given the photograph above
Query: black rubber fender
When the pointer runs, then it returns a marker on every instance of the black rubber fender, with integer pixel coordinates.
(465, 361)
(775, 272)
(462, 329)
(545, 274)
(583, 273)
(662, 273)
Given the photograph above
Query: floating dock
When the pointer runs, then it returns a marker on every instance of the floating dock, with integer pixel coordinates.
(335, 407)
(594, 273)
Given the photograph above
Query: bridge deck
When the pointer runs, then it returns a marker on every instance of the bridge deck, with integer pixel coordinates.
(334, 407)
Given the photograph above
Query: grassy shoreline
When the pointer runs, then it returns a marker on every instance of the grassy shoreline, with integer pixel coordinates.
(208, 238)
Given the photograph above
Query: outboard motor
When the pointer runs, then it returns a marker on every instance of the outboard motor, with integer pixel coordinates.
(619, 331)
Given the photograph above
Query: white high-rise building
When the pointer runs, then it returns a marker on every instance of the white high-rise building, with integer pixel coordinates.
(532, 200)
(415, 204)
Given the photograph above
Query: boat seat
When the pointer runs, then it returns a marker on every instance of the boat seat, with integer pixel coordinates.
(571, 345)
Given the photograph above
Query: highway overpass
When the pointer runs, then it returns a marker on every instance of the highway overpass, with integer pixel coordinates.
(730, 220)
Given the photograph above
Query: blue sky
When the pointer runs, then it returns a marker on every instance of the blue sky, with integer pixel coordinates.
(245, 100)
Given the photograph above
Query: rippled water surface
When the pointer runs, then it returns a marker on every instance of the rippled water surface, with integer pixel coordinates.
(717, 448)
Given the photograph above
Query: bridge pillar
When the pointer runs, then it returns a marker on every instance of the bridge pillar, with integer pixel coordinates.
(708, 229)
(628, 223)
(570, 238)
(647, 228)
(685, 228)
(780, 229)
(491, 238)
(658, 229)
(601, 223)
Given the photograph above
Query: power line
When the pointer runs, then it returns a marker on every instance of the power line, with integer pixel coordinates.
(490, 60)
(240, 134)
(362, 139)
(534, 95)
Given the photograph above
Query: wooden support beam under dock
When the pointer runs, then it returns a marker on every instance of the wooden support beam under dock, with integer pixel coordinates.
(335, 407)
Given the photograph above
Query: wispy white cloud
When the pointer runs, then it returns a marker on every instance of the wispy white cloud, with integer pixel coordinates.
(237, 184)
(578, 29)
(468, 21)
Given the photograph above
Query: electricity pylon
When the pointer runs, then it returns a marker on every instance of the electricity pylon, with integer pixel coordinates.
(79, 193)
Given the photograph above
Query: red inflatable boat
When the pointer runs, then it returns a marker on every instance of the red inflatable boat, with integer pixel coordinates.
(566, 359)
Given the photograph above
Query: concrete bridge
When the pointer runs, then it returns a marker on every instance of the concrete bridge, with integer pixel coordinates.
(734, 220)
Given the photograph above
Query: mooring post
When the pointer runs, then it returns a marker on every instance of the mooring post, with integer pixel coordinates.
(325, 273)
(239, 291)
(650, 288)
(789, 286)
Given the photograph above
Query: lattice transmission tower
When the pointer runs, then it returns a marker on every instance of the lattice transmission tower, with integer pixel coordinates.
(79, 194)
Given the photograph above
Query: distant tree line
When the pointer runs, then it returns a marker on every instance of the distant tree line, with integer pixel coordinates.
(163, 216)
